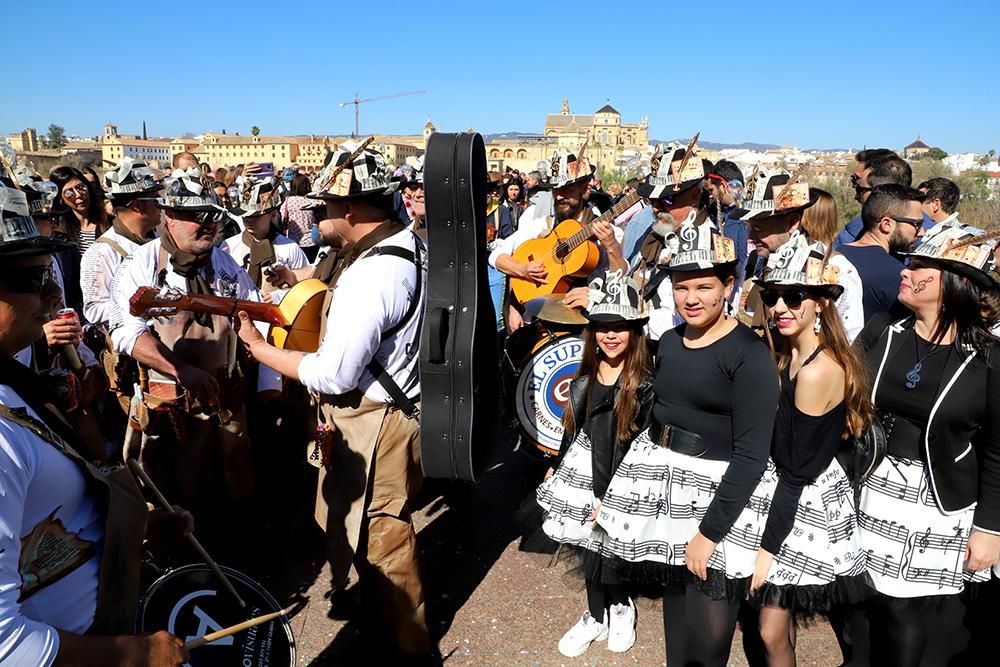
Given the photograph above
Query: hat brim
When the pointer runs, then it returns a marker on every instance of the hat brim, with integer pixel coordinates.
(126, 197)
(254, 214)
(747, 215)
(610, 318)
(687, 268)
(556, 186)
(39, 245)
(200, 208)
(665, 191)
(388, 190)
(977, 276)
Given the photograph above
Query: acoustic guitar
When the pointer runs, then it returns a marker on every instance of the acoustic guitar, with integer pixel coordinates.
(295, 322)
(566, 253)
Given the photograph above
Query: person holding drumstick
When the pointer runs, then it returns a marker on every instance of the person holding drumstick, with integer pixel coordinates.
(70, 533)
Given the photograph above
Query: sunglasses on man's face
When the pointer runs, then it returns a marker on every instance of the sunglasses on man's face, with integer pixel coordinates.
(793, 298)
(917, 223)
(856, 184)
(198, 217)
(32, 280)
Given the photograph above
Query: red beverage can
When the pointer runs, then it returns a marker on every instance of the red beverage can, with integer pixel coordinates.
(66, 387)
(66, 314)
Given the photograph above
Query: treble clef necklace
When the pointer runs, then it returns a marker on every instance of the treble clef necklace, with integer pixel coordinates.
(913, 376)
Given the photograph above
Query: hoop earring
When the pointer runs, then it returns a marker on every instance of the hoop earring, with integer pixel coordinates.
(818, 324)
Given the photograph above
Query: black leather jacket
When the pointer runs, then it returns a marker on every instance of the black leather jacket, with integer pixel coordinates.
(603, 427)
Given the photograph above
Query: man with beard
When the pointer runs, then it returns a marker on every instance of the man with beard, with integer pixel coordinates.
(770, 226)
(195, 445)
(570, 187)
(893, 221)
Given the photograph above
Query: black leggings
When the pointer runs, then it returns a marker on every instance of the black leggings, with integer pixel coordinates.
(929, 636)
(698, 630)
(602, 596)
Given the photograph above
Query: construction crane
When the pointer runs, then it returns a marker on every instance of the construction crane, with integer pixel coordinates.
(358, 102)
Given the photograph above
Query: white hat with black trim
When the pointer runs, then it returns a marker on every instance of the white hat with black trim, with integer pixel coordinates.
(671, 174)
(257, 196)
(699, 247)
(568, 168)
(964, 249)
(800, 263)
(770, 194)
(18, 234)
(352, 171)
(183, 190)
(614, 298)
(130, 179)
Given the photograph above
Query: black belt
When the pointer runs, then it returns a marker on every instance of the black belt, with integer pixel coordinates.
(690, 444)
(904, 439)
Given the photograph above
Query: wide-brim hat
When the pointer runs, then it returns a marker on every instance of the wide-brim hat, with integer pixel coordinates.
(769, 195)
(19, 236)
(256, 197)
(799, 263)
(671, 175)
(962, 249)
(568, 169)
(184, 191)
(615, 299)
(697, 247)
(130, 180)
(354, 171)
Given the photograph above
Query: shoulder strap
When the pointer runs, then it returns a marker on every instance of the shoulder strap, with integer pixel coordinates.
(811, 357)
(21, 417)
(114, 244)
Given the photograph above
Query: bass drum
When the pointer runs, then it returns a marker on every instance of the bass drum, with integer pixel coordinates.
(189, 602)
(541, 391)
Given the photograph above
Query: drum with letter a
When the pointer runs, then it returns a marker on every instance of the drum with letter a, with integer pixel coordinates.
(542, 389)
(189, 602)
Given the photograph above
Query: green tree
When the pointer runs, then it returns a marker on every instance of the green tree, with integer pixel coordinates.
(255, 131)
(56, 137)
(935, 154)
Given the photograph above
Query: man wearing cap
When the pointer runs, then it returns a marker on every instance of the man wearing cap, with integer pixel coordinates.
(196, 440)
(771, 223)
(132, 191)
(366, 375)
(70, 533)
(260, 246)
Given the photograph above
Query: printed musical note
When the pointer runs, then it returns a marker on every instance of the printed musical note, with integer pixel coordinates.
(887, 529)
(805, 564)
(888, 487)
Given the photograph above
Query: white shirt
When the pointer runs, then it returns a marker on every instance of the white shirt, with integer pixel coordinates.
(97, 271)
(372, 295)
(849, 303)
(139, 270)
(36, 479)
(286, 251)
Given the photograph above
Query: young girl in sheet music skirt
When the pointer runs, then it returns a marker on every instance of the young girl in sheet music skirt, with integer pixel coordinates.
(810, 557)
(929, 514)
(609, 404)
(687, 505)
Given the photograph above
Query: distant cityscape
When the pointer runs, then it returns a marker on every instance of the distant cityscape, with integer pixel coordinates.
(615, 146)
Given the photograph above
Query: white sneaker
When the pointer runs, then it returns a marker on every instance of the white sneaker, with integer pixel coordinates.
(582, 635)
(621, 627)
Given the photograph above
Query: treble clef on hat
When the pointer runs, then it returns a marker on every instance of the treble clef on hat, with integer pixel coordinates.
(688, 234)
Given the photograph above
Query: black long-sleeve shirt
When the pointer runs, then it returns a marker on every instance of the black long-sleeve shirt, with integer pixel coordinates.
(726, 391)
(803, 447)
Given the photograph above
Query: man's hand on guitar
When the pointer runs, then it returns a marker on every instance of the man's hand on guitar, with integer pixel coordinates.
(605, 235)
(534, 271)
(201, 386)
(282, 276)
(578, 297)
(247, 332)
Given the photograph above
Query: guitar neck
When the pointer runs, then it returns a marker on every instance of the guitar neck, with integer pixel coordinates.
(588, 230)
(217, 305)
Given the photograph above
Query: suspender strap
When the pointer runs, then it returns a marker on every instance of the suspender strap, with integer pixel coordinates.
(378, 371)
(117, 248)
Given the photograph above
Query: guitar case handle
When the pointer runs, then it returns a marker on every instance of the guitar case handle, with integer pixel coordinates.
(438, 323)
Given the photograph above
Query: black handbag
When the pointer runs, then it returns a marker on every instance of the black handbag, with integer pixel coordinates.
(861, 456)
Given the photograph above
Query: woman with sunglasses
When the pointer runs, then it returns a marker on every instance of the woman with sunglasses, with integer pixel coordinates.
(82, 205)
(809, 558)
(929, 515)
(687, 505)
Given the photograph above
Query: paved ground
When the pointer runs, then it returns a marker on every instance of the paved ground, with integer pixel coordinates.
(488, 603)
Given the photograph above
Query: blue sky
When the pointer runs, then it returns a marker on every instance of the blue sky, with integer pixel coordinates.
(814, 74)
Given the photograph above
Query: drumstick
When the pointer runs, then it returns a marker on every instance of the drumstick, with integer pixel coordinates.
(233, 629)
(148, 483)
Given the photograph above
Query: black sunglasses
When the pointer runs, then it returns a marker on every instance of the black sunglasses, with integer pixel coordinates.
(856, 184)
(32, 280)
(916, 222)
(793, 298)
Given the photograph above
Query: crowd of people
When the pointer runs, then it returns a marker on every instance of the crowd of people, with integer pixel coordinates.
(773, 419)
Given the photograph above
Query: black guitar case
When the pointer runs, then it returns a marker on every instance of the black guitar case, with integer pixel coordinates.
(459, 379)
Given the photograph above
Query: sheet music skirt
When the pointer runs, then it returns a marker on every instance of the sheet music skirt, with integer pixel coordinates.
(912, 549)
(654, 506)
(820, 563)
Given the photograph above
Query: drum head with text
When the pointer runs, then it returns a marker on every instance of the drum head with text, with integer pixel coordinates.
(189, 602)
(543, 390)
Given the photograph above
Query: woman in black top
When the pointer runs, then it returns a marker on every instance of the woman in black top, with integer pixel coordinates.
(929, 517)
(687, 505)
(608, 406)
(810, 557)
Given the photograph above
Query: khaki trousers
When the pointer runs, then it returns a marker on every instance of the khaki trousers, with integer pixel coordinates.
(363, 503)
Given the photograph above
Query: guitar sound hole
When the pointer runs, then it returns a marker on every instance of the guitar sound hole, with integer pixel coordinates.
(561, 251)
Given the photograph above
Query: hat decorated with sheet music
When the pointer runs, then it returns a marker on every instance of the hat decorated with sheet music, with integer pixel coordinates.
(568, 168)
(800, 263)
(19, 236)
(129, 180)
(41, 194)
(699, 247)
(770, 194)
(257, 197)
(961, 248)
(184, 191)
(352, 171)
(673, 170)
(614, 298)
